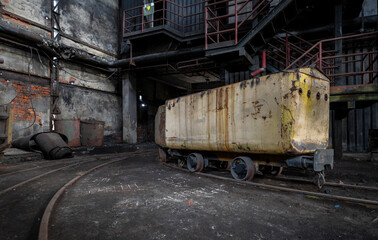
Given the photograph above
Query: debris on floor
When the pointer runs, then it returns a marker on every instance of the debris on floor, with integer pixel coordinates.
(52, 145)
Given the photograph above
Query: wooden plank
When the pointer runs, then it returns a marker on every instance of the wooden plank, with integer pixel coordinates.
(232, 77)
(374, 115)
(226, 77)
(351, 131)
(354, 89)
(331, 133)
(367, 126)
(237, 77)
(359, 130)
(344, 126)
(354, 97)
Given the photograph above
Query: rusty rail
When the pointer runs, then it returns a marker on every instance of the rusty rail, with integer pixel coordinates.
(284, 189)
(44, 226)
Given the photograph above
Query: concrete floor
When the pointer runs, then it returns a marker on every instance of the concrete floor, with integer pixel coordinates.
(141, 199)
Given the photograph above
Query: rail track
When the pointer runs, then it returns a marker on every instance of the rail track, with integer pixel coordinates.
(280, 184)
(36, 203)
(33, 203)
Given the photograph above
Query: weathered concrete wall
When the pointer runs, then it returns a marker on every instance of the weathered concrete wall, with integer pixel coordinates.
(86, 77)
(18, 60)
(31, 107)
(34, 10)
(84, 104)
(92, 94)
(92, 21)
(32, 104)
(89, 94)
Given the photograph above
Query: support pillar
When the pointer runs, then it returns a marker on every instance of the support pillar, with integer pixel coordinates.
(129, 108)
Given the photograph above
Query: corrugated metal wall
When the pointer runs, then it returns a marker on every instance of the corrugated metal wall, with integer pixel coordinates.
(198, 19)
(233, 77)
(174, 15)
(357, 122)
(181, 15)
(126, 5)
(355, 125)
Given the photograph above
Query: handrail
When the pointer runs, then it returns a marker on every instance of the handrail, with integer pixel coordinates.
(242, 12)
(319, 44)
(254, 11)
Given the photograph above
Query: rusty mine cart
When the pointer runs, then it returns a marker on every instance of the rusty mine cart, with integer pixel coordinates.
(257, 125)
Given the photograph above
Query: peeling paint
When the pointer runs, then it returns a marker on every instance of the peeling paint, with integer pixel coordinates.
(252, 119)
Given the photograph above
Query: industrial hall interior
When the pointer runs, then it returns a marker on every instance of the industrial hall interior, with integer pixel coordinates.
(188, 119)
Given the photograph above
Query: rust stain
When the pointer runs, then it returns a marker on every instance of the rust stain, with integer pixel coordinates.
(233, 114)
(16, 20)
(219, 99)
(257, 108)
(226, 129)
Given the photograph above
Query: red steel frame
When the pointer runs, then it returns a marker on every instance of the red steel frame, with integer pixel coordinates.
(216, 31)
(323, 56)
(327, 63)
(242, 14)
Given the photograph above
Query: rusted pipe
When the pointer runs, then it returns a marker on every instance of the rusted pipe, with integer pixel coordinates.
(263, 65)
(57, 49)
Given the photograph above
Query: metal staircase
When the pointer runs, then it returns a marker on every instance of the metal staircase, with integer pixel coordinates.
(348, 68)
(249, 27)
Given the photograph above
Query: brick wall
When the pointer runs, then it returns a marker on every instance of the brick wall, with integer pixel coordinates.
(23, 109)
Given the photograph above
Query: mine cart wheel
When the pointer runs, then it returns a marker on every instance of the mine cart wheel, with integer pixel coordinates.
(319, 179)
(162, 155)
(195, 162)
(242, 168)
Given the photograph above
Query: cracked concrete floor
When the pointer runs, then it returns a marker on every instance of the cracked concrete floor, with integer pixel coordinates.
(141, 199)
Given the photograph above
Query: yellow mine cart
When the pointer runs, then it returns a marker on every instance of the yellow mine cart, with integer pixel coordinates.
(259, 124)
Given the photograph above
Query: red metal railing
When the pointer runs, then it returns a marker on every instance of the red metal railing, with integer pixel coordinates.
(325, 57)
(182, 19)
(284, 54)
(226, 21)
(282, 51)
(221, 21)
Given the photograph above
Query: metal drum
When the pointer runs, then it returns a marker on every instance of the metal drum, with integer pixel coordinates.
(70, 128)
(92, 133)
